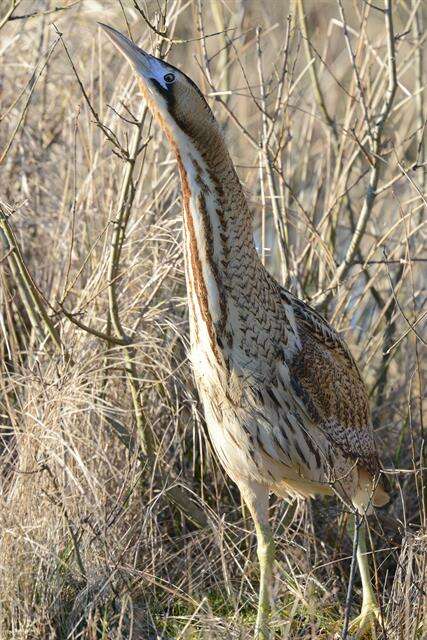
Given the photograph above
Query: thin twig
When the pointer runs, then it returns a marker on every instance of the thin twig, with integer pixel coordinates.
(313, 69)
(35, 14)
(277, 214)
(376, 148)
(32, 83)
(34, 300)
(399, 306)
(8, 15)
(349, 597)
(106, 131)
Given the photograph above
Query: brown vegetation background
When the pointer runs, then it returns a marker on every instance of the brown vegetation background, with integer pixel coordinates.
(115, 518)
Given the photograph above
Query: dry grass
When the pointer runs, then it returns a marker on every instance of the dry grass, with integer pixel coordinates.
(101, 430)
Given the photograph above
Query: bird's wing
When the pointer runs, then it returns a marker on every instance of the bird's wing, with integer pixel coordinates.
(326, 380)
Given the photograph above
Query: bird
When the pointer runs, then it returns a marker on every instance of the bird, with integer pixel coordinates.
(285, 404)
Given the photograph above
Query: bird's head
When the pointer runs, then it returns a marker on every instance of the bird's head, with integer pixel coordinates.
(174, 99)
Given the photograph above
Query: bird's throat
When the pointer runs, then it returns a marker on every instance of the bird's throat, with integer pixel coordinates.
(218, 240)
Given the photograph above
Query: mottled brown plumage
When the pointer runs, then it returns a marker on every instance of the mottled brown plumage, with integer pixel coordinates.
(285, 404)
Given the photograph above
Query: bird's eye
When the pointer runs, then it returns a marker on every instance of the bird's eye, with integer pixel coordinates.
(169, 77)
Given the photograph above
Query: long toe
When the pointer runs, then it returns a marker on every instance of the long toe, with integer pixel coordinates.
(367, 623)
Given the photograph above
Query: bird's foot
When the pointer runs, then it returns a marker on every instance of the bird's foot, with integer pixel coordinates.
(367, 622)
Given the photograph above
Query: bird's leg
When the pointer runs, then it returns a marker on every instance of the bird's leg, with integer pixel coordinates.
(265, 549)
(256, 499)
(370, 614)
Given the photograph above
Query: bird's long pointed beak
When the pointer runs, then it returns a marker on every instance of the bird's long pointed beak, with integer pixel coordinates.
(140, 60)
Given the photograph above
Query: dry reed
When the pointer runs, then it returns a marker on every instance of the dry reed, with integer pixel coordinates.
(115, 519)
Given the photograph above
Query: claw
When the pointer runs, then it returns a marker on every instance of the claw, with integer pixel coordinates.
(367, 622)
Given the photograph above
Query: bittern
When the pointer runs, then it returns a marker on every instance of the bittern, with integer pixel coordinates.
(285, 405)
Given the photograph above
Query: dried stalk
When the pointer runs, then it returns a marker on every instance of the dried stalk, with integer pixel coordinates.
(278, 216)
(313, 70)
(7, 16)
(377, 160)
(30, 295)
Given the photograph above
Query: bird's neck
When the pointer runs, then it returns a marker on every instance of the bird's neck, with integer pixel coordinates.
(220, 254)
